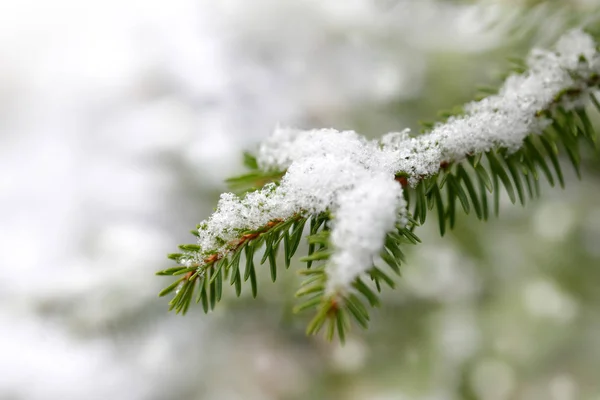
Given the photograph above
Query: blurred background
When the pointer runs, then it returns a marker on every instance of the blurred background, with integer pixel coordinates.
(119, 121)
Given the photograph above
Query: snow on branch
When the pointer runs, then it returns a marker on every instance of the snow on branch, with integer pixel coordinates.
(354, 178)
(364, 197)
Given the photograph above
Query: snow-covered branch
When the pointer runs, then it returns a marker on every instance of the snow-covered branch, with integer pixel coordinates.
(356, 181)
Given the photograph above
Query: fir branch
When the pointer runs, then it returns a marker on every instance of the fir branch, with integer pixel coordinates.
(365, 198)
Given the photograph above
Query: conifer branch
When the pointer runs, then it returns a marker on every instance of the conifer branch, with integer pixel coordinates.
(359, 201)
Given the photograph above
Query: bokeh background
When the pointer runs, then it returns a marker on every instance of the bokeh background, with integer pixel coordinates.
(119, 121)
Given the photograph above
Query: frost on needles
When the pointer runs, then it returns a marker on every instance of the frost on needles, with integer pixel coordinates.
(365, 197)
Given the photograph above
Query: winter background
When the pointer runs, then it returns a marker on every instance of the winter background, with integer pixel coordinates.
(119, 121)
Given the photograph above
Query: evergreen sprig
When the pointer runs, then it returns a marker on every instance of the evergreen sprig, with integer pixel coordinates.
(470, 185)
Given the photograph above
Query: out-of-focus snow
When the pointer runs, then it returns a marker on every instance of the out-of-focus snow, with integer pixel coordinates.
(92, 94)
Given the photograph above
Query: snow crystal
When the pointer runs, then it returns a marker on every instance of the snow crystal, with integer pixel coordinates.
(287, 145)
(364, 215)
(573, 45)
(353, 178)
